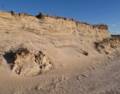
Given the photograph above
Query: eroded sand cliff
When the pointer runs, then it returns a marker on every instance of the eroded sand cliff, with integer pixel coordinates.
(55, 55)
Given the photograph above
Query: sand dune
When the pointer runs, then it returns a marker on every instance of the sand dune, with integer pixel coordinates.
(56, 55)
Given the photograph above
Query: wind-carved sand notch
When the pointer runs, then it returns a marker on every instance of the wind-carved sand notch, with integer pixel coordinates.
(25, 63)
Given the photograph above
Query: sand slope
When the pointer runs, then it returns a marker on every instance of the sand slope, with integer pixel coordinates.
(58, 56)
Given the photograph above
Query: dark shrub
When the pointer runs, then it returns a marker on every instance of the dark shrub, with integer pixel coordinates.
(40, 16)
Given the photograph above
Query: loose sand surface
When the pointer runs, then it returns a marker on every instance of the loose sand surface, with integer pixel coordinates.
(43, 57)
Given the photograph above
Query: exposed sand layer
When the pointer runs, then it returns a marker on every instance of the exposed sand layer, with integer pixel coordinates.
(25, 63)
(54, 55)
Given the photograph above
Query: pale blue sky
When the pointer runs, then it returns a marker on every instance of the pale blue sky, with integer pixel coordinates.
(91, 11)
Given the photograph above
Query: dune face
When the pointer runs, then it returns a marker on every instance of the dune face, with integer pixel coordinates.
(55, 55)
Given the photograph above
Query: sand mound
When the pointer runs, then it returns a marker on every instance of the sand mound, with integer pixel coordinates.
(25, 63)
